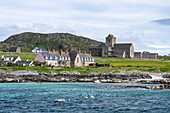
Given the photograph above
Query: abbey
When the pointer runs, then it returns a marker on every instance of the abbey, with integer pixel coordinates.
(113, 49)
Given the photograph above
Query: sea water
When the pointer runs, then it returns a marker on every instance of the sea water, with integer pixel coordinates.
(34, 97)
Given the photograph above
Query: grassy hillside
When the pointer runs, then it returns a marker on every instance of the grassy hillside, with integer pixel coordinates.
(51, 41)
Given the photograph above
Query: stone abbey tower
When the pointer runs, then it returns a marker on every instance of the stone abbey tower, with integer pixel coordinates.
(113, 49)
(110, 40)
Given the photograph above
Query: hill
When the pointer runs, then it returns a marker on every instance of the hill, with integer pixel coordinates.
(29, 40)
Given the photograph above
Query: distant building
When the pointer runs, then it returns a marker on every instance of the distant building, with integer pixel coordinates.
(65, 58)
(38, 49)
(149, 55)
(54, 58)
(168, 55)
(81, 59)
(25, 63)
(137, 54)
(113, 49)
(14, 49)
(11, 59)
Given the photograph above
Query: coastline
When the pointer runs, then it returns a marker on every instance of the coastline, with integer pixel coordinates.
(127, 77)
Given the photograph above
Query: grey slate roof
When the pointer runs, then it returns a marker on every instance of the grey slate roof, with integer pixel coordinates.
(122, 45)
(83, 57)
(24, 62)
(41, 48)
(14, 58)
(86, 57)
(13, 48)
(55, 56)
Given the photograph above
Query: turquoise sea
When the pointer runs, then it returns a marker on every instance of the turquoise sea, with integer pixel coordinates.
(34, 97)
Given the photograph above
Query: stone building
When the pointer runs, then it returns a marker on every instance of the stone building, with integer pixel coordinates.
(81, 59)
(149, 55)
(113, 49)
(15, 49)
(146, 55)
(138, 55)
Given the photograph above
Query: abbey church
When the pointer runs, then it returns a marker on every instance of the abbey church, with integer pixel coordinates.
(113, 49)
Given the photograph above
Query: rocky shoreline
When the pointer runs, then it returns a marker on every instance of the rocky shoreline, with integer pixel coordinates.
(126, 77)
(160, 87)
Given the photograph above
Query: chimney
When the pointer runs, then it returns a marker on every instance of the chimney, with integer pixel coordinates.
(66, 51)
(60, 51)
(48, 50)
(40, 50)
(85, 52)
(53, 50)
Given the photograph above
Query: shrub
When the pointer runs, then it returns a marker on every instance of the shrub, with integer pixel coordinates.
(128, 66)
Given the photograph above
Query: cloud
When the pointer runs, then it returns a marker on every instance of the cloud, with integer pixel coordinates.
(163, 21)
(128, 20)
(160, 46)
(7, 30)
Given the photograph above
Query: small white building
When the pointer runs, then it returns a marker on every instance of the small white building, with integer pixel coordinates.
(38, 50)
(12, 59)
(25, 63)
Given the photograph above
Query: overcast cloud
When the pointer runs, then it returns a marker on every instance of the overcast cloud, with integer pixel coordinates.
(145, 23)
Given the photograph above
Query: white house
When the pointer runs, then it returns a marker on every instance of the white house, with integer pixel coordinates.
(38, 50)
(25, 63)
(12, 59)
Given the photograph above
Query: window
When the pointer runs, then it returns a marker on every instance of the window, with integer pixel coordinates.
(61, 63)
(77, 60)
(55, 58)
(51, 57)
(55, 63)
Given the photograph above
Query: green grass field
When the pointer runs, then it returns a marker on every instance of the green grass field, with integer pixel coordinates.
(115, 63)
(24, 56)
(106, 58)
(137, 64)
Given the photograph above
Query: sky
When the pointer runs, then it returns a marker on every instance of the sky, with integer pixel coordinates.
(145, 23)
